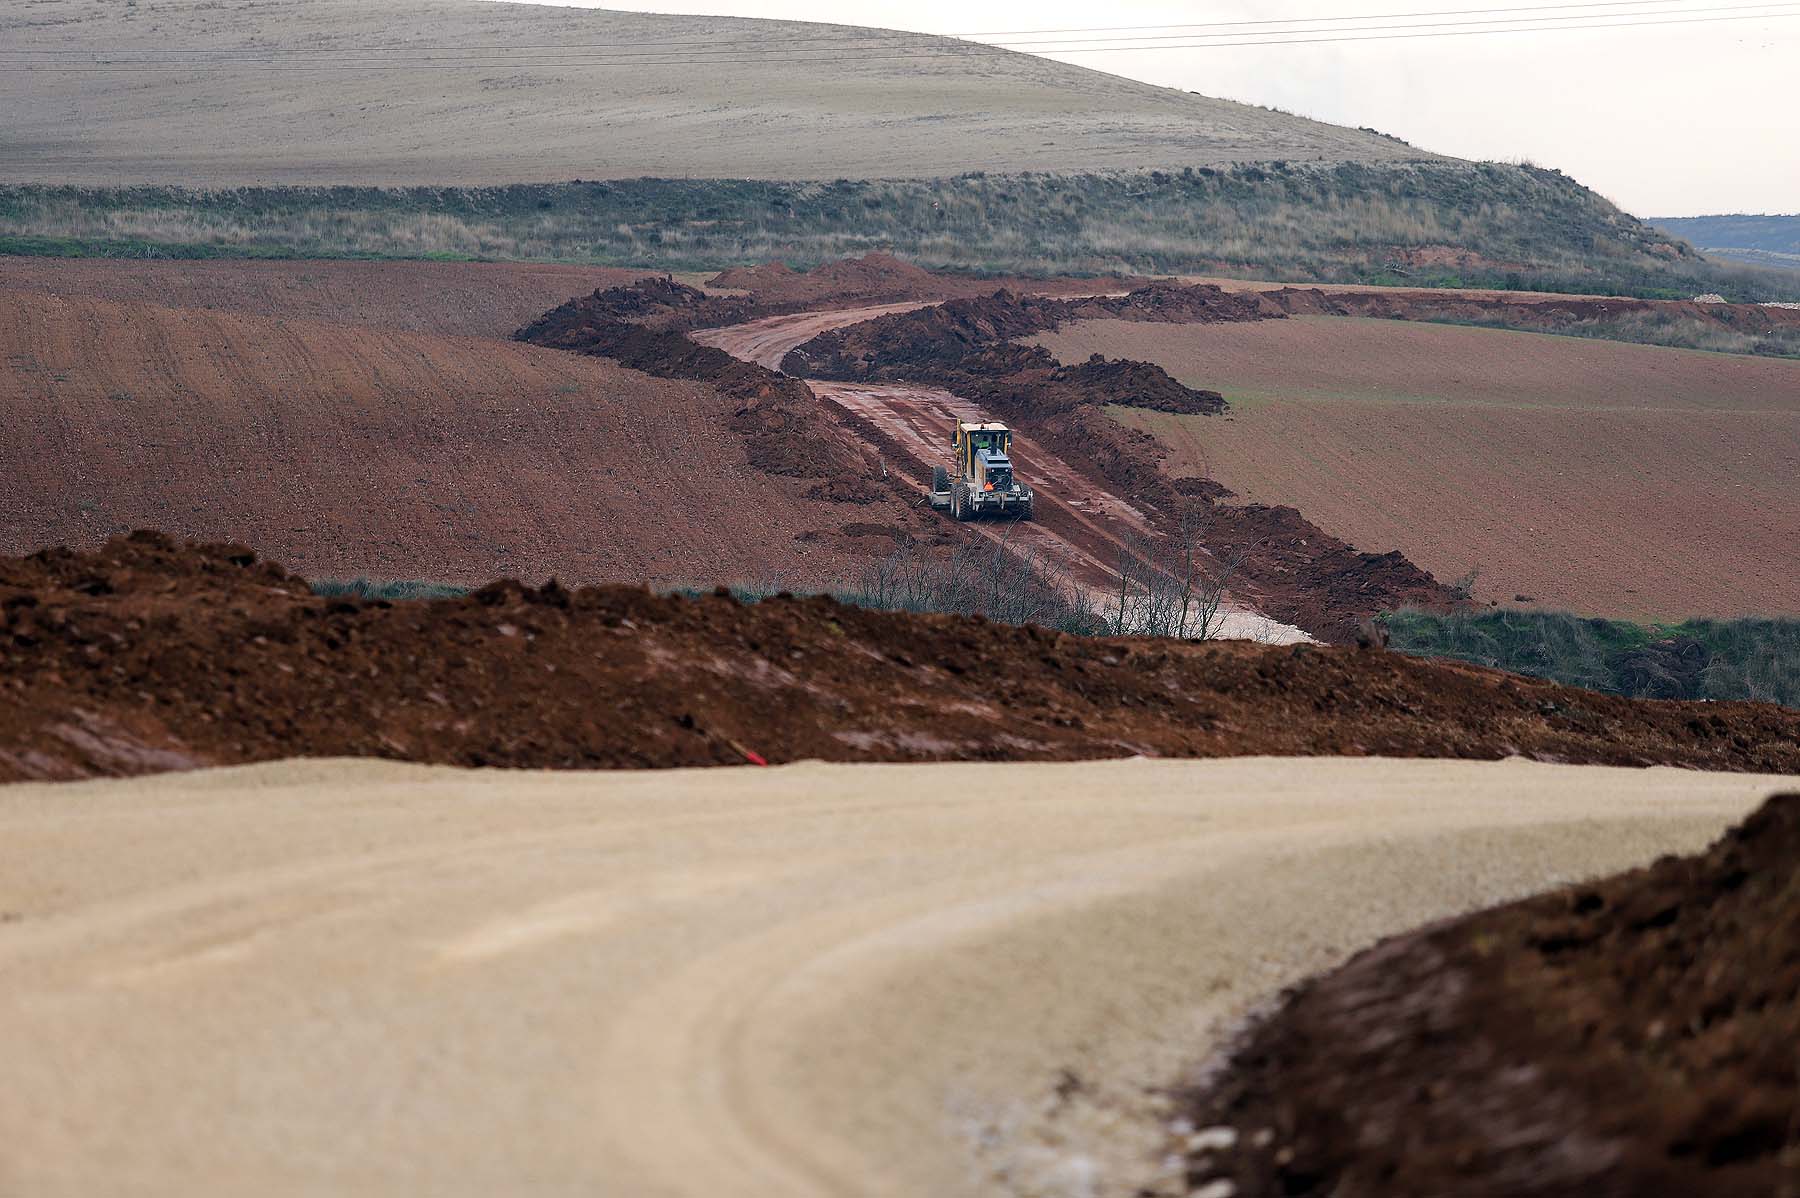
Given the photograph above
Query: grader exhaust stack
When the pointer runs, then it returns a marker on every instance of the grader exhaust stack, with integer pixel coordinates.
(982, 481)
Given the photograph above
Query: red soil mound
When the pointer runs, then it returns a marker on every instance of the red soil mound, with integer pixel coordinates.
(661, 304)
(965, 346)
(787, 430)
(1635, 1036)
(1295, 571)
(940, 337)
(151, 654)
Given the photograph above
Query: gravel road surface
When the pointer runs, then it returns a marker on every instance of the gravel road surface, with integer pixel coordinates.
(361, 978)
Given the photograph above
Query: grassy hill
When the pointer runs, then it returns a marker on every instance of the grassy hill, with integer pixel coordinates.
(553, 99)
(527, 133)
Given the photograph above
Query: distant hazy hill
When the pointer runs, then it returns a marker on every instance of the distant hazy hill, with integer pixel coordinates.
(1767, 240)
(549, 101)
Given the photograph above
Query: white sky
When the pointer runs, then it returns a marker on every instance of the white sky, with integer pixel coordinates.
(1677, 120)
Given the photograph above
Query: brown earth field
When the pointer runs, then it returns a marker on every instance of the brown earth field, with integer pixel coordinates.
(1630, 1036)
(355, 450)
(1612, 479)
(151, 654)
(471, 299)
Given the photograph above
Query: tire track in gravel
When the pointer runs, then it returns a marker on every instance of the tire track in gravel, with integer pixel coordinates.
(813, 980)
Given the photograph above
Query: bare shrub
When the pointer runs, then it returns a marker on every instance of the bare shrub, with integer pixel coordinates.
(1173, 585)
(994, 579)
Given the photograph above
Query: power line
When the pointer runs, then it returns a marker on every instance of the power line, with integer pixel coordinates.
(1087, 45)
(974, 49)
(878, 36)
(1450, 12)
(1781, 4)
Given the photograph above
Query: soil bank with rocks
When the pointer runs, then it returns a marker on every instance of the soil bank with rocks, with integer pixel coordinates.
(151, 654)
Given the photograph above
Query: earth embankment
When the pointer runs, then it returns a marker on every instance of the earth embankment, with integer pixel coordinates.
(151, 655)
(1632, 1035)
(964, 351)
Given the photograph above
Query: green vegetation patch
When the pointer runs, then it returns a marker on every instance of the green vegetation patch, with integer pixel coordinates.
(392, 591)
(1756, 659)
(1504, 226)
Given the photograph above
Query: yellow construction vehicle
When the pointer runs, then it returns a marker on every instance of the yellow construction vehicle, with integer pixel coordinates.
(983, 482)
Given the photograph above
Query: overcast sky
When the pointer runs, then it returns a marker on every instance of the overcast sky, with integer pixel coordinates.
(1670, 120)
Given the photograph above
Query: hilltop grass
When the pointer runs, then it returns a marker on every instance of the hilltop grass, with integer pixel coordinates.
(1757, 659)
(1526, 228)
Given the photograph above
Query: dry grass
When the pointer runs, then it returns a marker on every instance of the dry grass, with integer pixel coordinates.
(1432, 224)
(753, 114)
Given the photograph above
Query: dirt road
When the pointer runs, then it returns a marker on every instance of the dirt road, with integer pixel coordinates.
(767, 341)
(350, 977)
(1079, 525)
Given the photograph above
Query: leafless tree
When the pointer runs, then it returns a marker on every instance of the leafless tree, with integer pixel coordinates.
(1173, 585)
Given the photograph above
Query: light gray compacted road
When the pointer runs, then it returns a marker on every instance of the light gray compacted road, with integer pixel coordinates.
(362, 978)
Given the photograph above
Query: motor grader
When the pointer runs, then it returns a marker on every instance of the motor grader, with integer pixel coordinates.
(982, 482)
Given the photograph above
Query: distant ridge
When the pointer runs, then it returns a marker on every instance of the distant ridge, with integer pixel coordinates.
(1763, 240)
(552, 103)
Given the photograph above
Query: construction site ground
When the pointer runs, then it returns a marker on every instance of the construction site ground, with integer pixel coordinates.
(1596, 476)
(1080, 525)
(335, 976)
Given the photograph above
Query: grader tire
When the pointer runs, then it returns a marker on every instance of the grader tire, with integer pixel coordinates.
(960, 507)
(940, 479)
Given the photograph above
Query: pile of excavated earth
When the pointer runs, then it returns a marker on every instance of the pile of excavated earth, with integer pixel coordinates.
(151, 654)
(1297, 573)
(1639, 1035)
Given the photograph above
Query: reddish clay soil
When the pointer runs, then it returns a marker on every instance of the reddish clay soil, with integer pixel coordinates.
(1285, 566)
(784, 426)
(467, 299)
(1612, 479)
(152, 654)
(352, 451)
(1635, 1036)
(934, 343)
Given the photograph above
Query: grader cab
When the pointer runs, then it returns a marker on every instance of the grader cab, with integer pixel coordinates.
(982, 482)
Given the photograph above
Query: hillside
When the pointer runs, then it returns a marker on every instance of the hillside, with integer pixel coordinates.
(505, 131)
(1761, 240)
(554, 98)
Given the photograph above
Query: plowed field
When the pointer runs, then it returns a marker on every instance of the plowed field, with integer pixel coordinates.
(1607, 478)
(475, 299)
(347, 450)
